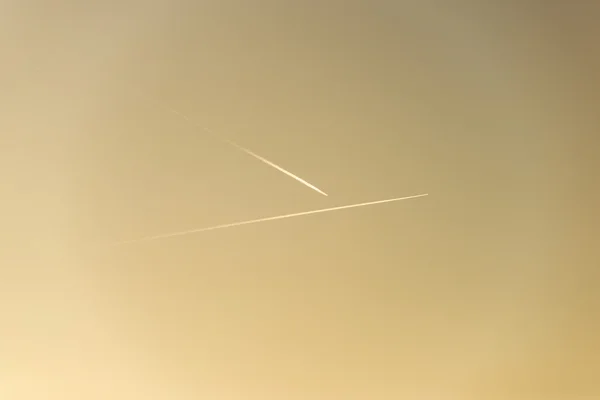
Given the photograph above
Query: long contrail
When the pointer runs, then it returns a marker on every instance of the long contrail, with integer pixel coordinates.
(250, 153)
(255, 221)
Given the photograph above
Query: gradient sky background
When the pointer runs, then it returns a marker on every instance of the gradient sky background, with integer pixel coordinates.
(486, 289)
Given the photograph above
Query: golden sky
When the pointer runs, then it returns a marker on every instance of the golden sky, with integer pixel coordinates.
(485, 289)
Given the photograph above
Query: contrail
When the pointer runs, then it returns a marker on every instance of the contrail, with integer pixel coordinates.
(250, 153)
(255, 221)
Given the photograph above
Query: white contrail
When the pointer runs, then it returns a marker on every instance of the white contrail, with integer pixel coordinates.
(250, 153)
(255, 221)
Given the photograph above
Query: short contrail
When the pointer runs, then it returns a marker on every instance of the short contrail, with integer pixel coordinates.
(250, 153)
(255, 221)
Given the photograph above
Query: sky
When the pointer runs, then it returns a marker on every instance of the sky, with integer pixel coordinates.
(487, 288)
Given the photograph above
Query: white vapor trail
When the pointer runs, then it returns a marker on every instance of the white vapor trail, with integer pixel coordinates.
(255, 221)
(251, 153)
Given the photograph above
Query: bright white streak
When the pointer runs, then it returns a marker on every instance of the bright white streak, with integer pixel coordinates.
(251, 153)
(255, 221)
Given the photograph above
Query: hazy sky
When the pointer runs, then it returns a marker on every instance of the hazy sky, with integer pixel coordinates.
(485, 289)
